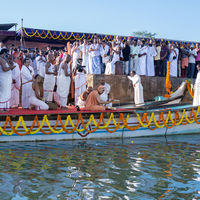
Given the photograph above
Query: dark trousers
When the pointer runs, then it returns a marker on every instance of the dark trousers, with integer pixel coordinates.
(191, 68)
(163, 67)
(195, 70)
(184, 72)
(157, 67)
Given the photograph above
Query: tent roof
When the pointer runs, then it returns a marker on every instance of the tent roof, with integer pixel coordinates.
(61, 37)
(6, 27)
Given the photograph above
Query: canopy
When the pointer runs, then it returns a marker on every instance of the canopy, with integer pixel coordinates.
(40, 35)
(61, 37)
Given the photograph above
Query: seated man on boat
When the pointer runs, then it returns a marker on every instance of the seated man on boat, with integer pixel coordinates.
(138, 88)
(196, 99)
(36, 94)
(83, 97)
(106, 94)
(94, 102)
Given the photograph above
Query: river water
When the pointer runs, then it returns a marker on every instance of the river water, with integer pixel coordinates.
(138, 168)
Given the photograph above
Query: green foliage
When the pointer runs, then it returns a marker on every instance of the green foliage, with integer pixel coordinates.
(144, 34)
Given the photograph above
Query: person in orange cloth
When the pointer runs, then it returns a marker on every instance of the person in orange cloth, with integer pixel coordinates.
(93, 102)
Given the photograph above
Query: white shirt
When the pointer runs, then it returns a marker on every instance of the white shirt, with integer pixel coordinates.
(134, 50)
(191, 57)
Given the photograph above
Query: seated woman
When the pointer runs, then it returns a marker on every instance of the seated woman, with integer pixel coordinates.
(36, 94)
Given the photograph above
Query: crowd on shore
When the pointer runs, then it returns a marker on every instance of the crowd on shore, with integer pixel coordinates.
(56, 67)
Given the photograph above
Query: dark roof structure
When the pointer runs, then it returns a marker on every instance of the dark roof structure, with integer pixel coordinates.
(5, 34)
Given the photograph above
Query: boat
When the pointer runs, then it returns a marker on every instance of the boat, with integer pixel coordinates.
(161, 117)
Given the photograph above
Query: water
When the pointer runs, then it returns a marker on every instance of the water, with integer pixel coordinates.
(143, 168)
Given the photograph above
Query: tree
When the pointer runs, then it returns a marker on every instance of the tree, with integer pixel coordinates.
(144, 34)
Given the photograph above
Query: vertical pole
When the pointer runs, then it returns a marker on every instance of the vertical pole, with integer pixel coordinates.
(15, 34)
(21, 40)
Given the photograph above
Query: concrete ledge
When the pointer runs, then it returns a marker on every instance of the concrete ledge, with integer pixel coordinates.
(122, 89)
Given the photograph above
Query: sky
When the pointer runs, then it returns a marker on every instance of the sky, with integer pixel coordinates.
(170, 19)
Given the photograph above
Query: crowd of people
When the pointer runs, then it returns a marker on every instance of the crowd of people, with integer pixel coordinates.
(41, 80)
(45, 75)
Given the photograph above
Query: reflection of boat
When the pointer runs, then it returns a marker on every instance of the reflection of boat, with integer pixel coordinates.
(162, 117)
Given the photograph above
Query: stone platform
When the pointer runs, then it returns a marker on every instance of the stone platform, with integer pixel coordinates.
(121, 86)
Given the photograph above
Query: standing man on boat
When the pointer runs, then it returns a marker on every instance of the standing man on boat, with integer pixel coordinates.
(196, 99)
(27, 78)
(63, 81)
(138, 88)
(6, 67)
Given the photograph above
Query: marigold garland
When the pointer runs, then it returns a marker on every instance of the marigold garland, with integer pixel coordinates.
(110, 126)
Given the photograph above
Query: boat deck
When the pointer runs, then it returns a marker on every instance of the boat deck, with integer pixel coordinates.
(71, 110)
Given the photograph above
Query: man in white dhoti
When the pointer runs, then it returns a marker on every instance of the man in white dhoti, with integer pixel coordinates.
(40, 63)
(85, 55)
(196, 99)
(63, 81)
(151, 52)
(142, 56)
(80, 81)
(76, 54)
(27, 78)
(173, 59)
(6, 65)
(105, 54)
(16, 84)
(134, 51)
(36, 99)
(94, 64)
(105, 96)
(138, 89)
(110, 66)
(49, 79)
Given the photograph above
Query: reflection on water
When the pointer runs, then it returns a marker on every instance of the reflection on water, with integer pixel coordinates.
(145, 168)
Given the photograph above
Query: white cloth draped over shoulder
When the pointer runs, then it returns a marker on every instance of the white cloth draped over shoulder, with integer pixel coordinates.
(138, 89)
(94, 59)
(110, 66)
(16, 76)
(34, 101)
(63, 84)
(40, 62)
(142, 61)
(49, 84)
(5, 88)
(27, 76)
(105, 95)
(80, 85)
(196, 99)
(85, 56)
(75, 56)
(151, 52)
(173, 58)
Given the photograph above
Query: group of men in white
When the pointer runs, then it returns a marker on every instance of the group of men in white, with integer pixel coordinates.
(51, 83)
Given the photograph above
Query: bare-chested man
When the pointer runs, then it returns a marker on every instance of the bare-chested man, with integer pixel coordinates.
(36, 97)
(83, 97)
(94, 101)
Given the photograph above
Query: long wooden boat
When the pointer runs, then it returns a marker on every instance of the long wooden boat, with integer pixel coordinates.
(20, 125)
(166, 117)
